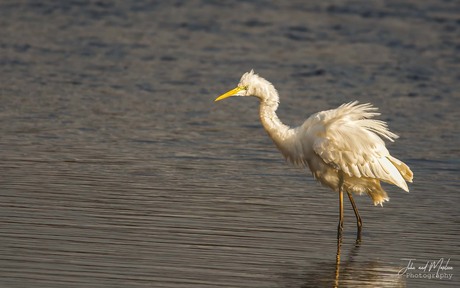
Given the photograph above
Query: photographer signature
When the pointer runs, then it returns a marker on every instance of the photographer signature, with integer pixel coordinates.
(429, 266)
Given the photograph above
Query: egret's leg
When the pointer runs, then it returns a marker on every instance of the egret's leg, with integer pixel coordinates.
(359, 222)
(340, 227)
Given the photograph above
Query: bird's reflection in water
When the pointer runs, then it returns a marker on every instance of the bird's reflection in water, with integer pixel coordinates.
(353, 273)
(349, 272)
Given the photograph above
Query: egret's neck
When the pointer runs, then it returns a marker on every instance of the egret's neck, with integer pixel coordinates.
(272, 124)
(269, 101)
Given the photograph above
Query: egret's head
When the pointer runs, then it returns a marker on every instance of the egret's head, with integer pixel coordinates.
(248, 86)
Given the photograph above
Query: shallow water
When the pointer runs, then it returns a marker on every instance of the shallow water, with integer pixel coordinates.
(118, 170)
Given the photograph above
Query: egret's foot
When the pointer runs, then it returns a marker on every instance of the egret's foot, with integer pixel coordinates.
(339, 240)
(358, 236)
(358, 242)
(339, 232)
(339, 248)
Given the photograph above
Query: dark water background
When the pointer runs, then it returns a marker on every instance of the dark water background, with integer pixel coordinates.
(118, 170)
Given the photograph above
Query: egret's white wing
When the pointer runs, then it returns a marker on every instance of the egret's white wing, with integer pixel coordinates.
(347, 139)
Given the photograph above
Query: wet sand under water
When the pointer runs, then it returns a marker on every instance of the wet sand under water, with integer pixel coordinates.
(118, 170)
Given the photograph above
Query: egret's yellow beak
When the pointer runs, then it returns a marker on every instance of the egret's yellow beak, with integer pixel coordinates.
(229, 93)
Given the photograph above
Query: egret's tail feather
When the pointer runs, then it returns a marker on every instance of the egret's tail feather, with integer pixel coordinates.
(405, 171)
(377, 194)
(367, 186)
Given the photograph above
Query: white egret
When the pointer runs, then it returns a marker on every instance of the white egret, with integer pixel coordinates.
(342, 147)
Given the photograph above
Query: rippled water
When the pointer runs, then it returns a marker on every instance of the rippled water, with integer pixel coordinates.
(118, 170)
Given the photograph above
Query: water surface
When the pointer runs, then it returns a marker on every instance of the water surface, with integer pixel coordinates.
(118, 170)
